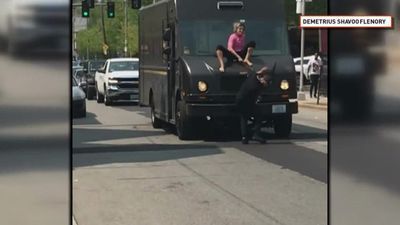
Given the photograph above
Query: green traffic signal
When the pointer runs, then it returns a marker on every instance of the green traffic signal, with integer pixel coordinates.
(110, 9)
(85, 9)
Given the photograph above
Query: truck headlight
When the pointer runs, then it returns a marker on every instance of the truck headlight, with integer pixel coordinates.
(110, 81)
(284, 85)
(202, 86)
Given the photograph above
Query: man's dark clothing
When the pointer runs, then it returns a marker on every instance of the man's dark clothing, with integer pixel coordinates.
(231, 57)
(314, 84)
(246, 104)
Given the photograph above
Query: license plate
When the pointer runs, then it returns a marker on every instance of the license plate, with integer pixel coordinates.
(278, 108)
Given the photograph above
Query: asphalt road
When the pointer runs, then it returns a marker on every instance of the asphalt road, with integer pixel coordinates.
(126, 172)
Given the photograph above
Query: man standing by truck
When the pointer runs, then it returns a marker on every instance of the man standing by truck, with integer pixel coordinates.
(246, 104)
(314, 69)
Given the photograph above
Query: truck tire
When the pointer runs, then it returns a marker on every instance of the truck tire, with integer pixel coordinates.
(157, 123)
(183, 122)
(283, 126)
(99, 97)
(107, 99)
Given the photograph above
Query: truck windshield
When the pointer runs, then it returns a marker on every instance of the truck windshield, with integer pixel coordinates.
(123, 66)
(202, 37)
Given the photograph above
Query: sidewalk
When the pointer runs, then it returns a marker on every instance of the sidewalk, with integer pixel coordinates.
(312, 102)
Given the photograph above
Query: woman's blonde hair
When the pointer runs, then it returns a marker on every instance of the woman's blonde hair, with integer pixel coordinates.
(236, 25)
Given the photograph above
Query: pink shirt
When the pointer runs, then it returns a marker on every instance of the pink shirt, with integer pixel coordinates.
(236, 42)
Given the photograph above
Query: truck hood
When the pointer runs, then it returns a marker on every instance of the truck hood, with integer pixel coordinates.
(206, 69)
(198, 66)
(124, 74)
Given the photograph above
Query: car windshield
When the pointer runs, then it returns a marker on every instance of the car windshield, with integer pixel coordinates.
(79, 74)
(202, 37)
(96, 65)
(123, 66)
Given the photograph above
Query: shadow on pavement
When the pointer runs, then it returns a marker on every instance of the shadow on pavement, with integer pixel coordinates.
(297, 158)
(140, 153)
(90, 119)
(82, 136)
(124, 103)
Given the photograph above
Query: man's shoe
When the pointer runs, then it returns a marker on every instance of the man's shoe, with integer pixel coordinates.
(245, 140)
(257, 137)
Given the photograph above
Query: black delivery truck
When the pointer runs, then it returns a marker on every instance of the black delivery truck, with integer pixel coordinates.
(179, 76)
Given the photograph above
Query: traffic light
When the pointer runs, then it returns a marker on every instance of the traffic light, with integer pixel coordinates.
(91, 4)
(110, 9)
(85, 9)
(136, 4)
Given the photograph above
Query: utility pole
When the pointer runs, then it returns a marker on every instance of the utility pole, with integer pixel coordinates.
(102, 23)
(300, 8)
(125, 25)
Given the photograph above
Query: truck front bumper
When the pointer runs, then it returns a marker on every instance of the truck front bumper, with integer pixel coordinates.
(229, 110)
(124, 94)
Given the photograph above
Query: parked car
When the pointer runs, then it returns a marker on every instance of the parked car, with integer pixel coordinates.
(78, 98)
(80, 75)
(93, 66)
(297, 66)
(75, 68)
(118, 79)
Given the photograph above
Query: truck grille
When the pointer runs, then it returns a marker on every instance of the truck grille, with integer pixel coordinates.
(231, 83)
(128, 83)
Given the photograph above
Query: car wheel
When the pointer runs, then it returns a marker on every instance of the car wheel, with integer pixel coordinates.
(107, 99)
(99, 97)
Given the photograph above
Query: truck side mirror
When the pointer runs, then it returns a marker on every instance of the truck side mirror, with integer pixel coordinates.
(167, 34)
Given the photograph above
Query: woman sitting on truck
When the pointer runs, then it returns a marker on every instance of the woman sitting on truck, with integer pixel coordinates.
(237, 50)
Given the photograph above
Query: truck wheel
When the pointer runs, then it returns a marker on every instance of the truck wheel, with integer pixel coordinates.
(157, 123)
(183, 123)
(99, 97)
(107, 99)
(283, 126)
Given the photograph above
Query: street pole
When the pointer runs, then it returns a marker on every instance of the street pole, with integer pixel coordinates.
(102, 23)
(126, 41)
(301, 95)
